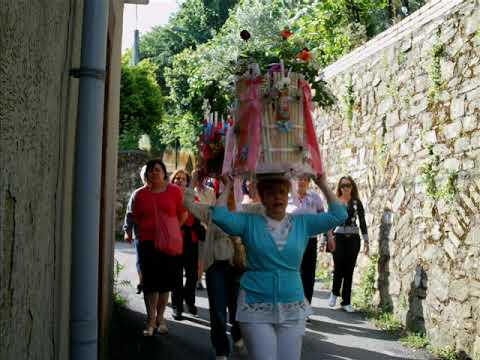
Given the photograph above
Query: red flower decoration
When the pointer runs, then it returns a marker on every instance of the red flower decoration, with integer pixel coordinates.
(286, 33)
(305, 55)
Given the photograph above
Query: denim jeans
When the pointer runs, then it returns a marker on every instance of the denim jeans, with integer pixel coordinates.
(222, 289)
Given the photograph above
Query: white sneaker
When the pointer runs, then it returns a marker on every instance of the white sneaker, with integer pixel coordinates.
(348, 308)
(332, 302)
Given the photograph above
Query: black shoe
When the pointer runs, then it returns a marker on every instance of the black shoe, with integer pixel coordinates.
(177, 315)
(139, 288)
(192, 309)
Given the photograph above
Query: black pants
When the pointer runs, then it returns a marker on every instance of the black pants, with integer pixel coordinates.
(344, 259)
(309, 265)
(222, 289)
(189, 263)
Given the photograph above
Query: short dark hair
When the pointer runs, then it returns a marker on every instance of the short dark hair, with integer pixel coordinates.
(151, 164)
(354, 187)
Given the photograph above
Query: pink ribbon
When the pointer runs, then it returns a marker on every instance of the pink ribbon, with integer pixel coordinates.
(249, 121)
(312, 143)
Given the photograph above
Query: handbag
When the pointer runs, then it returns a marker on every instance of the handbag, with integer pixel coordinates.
(168, 236)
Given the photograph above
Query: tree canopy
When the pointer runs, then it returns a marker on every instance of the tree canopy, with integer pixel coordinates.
(196, 52)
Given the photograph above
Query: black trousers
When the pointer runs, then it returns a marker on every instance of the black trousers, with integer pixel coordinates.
(344, 259)
(308, 268)
(189, 263)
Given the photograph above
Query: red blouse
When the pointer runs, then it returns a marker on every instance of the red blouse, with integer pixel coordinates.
(170, 202)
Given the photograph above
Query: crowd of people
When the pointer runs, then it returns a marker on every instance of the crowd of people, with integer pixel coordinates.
(258, 253)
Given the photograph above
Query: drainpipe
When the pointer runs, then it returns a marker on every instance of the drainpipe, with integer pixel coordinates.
(87, 182)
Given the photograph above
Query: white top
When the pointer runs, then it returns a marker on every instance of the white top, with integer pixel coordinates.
(311, 203)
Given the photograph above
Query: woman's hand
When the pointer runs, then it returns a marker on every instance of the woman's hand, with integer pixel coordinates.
(321, 181)
(127, 237)
(200, 270)
(366, 248)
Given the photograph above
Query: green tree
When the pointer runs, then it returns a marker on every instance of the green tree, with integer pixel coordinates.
(141, 103)
(196, 22)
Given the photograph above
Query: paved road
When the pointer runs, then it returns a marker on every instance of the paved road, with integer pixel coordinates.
(332, 334)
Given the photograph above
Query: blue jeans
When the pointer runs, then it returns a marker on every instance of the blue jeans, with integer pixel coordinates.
(222, 289)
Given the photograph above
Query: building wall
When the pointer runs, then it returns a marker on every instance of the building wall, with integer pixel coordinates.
(39, 45)
(407, 127)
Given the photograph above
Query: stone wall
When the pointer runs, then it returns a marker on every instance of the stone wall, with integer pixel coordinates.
(128, 179)
(407, 127)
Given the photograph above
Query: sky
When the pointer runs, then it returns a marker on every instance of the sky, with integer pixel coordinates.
(157, 12)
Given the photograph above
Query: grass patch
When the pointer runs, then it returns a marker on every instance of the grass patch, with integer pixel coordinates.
(387, 321)
(446, 353)
(415, 340)
(324, 274)
(118, 298)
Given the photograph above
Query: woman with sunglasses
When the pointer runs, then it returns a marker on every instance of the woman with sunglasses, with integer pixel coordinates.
(347, 238)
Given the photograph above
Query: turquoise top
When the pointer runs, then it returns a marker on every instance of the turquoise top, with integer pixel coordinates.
(273, 275)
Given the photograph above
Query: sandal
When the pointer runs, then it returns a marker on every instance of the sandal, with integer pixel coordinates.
(162, 327)
(149, 331)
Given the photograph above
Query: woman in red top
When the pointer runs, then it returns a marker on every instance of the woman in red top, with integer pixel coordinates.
(189, 261)
(158, 213)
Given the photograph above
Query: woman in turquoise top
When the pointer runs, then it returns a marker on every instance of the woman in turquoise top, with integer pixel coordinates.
(271, 305)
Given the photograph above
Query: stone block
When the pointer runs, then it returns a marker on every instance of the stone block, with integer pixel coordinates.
(474, 95)
(401, 132)
(473, 236)
(441, 150)
(447, 69)
(470, 123)
(398, 198)
(438, 280)
(451, 164)
(452, 130)
(385, 105)
(462, 144)
(459, 290)
(450, 247)
(393, 118)
(430, 137)
(472, 24)
(457, 107)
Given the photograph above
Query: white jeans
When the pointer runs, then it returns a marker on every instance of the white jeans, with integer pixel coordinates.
(274, 341)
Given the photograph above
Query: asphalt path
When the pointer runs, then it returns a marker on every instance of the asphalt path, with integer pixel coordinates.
(332, 334)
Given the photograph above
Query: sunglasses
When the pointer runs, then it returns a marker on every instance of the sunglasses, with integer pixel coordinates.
(346, 186)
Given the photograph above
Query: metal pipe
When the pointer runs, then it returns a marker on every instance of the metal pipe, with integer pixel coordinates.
(87, 182)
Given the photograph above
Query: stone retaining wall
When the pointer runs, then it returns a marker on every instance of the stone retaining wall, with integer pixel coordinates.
(407, 127)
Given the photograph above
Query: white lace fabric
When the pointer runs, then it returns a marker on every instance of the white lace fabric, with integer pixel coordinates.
(271, 313)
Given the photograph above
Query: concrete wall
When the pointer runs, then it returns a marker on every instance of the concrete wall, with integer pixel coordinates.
(407, 128)
(38, 98)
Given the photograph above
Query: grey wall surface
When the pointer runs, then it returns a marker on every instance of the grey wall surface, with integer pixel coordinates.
(35, 57)
(407, 127)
